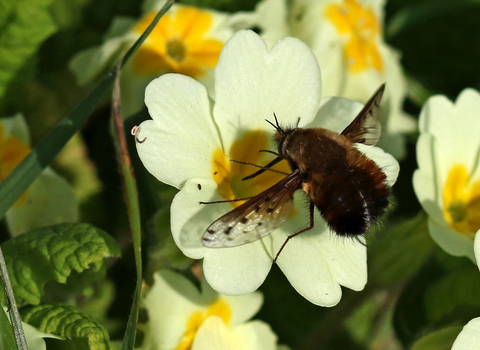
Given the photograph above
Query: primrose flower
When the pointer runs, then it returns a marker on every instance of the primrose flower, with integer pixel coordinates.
(186, 40)
(49, 200)
(447, 182)
(181, 317)
(191, 140)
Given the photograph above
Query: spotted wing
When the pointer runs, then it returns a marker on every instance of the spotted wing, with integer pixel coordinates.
(366, 127)
(255, 218)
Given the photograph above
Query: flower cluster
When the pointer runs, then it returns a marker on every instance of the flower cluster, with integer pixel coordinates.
(189, 145)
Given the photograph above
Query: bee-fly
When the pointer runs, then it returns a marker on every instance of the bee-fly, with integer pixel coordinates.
(348, 188)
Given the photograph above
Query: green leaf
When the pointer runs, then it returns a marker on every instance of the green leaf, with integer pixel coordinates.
(162, 250)
(66, 321)
(24, 25)
(399, 251)
(456, 296)
(7, 338)
(51, 253)
(439, 340)
(409, 319)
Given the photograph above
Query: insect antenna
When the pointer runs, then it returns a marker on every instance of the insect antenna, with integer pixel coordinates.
(262, 167)
(268, 151)
(266, 167)
(276, 125)
(296, 233)
(228, 200)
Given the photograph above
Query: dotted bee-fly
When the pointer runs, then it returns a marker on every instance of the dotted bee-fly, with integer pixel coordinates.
(348, 188)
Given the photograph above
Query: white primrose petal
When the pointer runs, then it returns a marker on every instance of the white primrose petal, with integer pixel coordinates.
(469, 337)
(179, 141)
(467, 106)
(360, 87)
(49, 201)
(476, 248)
(190, 219)
(237, 270)
(243, 307)
(385, 161)
(252, 84)
(439, 118)
(336, 113)
(425, 154)
(317, 262)
(425, 190)
(213, 334)
(450, 240)
(308, 271)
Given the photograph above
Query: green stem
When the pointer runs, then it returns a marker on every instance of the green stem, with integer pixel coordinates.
(13, 310)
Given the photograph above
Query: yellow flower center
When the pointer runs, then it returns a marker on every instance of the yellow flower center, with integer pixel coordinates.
(218, 308)
(461, 200)
(362, 30)
(12, 152)
(178, 44)
(228, 175)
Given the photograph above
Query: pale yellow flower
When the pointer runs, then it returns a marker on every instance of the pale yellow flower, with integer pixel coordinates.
(447, 182)
(181, 317)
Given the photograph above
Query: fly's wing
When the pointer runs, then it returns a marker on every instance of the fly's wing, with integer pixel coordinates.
(255, 218)
(366, 127)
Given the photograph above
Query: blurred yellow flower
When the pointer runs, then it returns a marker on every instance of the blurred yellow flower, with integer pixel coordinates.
(180, 43)
(362, 29)
(12, 152)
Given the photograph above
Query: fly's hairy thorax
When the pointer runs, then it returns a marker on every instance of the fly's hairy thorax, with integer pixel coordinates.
(346, 186)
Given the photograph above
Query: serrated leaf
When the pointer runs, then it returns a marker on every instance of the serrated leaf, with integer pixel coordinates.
(51, 253)
(25, 24)
(439, 340)
(456, 294)
(66, 321)
(400, 251)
